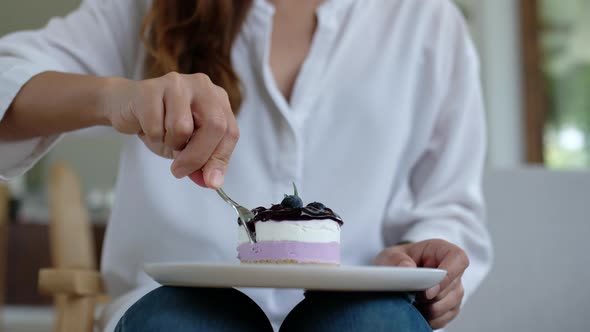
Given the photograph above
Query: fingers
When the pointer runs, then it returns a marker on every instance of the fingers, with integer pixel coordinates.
(214, 136)
(445, 292)
(443, 309)
(438, 306)
(394, 257)
(435, 293)
(441, 303)
(214, 169)
(193, 157)
(432, 292)
(152, 120)
(178, 123)
(455, 262)
(438, 309)
(443, 320)
(442, 255)
(185, 117)
(158, 148)
(197, 177)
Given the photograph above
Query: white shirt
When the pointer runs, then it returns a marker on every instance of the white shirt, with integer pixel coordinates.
(385, 126)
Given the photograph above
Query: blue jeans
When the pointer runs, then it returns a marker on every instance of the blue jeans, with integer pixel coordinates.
(208, 309)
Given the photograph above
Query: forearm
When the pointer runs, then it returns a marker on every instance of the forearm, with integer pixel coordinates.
(53, 103)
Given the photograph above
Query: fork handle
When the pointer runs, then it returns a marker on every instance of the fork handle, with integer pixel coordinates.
(226, 198)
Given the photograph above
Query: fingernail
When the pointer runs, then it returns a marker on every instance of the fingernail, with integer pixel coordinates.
(431, 293)
(216, 178)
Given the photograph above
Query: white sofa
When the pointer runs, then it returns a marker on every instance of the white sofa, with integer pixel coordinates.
(540, 224)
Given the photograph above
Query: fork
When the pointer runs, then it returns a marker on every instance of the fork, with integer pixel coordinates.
(244, 214)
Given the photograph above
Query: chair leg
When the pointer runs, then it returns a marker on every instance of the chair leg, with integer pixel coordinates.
(80, 315)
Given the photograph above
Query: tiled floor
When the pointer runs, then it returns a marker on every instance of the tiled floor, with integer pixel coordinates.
(26, 319)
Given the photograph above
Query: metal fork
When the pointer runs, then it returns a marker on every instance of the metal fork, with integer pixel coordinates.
(244, 214)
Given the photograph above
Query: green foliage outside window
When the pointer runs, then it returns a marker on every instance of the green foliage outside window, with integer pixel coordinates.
(566, 45)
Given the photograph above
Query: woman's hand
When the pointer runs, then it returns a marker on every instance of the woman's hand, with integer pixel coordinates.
(183, 117)
(441, 303)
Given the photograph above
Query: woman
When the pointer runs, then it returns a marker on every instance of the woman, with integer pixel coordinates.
(372, 107)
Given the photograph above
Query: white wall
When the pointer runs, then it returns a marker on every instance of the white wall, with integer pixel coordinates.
(31, 14)
(95, 158)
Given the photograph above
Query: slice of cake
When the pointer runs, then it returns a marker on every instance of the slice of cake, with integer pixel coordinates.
(290, 233)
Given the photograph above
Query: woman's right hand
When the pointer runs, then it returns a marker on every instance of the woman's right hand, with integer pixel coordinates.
(182, 117)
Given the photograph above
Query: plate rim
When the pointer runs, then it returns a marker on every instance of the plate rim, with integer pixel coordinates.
(288, 266)
(433, 273)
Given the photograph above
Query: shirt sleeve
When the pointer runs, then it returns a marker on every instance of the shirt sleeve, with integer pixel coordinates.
(445, 182)
(100, 38)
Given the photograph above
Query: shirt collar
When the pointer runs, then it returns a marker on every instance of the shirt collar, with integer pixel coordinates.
(330, 12)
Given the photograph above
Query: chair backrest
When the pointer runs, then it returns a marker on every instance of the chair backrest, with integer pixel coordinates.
(72, 245)
(71, 234)
(540, 224)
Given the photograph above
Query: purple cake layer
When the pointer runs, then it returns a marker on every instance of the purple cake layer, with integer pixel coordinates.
(301, 252)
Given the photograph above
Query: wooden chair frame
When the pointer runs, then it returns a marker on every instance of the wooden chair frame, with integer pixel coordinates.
(74, 280)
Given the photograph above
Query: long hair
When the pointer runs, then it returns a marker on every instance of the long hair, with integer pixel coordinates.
(195, 36)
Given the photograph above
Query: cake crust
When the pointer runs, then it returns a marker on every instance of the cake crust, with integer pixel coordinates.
(287, 261)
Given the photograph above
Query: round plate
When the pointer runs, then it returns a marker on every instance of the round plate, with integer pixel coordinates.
(342, 278)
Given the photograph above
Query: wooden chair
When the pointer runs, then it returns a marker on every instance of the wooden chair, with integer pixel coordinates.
(4, 216)
(74, 279)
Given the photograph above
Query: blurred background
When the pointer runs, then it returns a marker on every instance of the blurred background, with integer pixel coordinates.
(535, 62)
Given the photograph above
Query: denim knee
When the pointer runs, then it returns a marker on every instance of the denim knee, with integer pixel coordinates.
(343, 312)
(194, 309)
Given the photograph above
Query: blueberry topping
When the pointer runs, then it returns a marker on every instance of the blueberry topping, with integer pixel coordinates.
(292, 201)
(292, 208)
(317, 205)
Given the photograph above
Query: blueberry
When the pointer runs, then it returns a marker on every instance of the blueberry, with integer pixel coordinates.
(317, 205)
(292, 201)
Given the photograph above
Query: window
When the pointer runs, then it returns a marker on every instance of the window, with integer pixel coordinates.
(565, 41)
(558, 104)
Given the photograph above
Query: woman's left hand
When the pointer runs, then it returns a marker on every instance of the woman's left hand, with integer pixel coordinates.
(441, 303)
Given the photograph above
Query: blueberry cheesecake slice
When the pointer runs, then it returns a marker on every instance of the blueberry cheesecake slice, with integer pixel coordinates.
(291, 233)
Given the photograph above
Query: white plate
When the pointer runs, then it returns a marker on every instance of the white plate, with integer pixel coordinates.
(343, 278)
